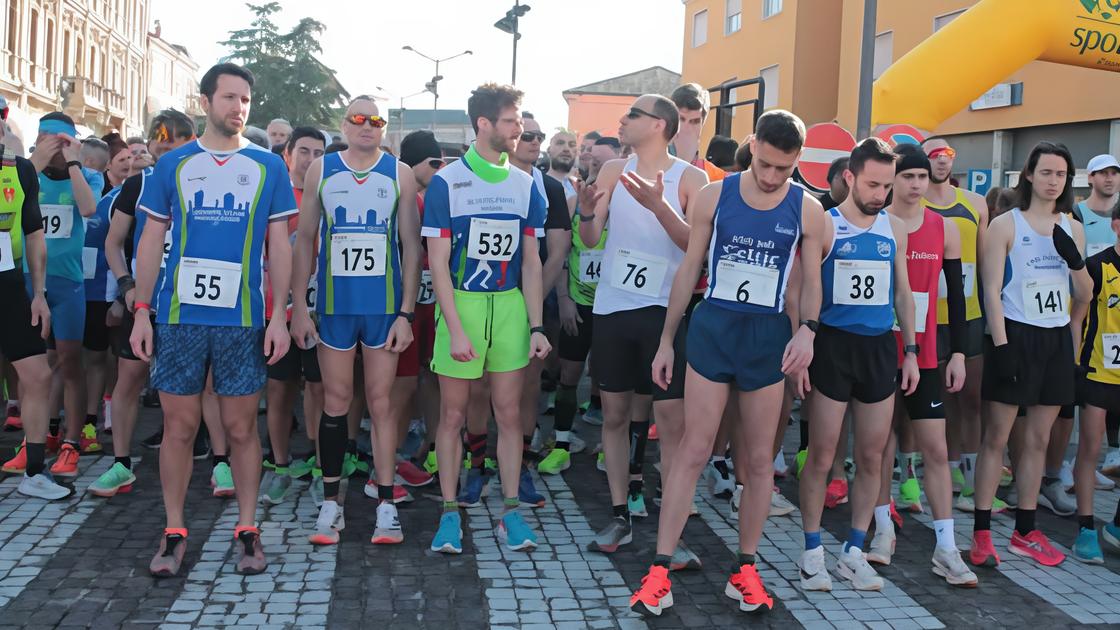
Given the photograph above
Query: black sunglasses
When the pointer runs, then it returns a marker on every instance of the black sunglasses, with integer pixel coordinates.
(529, 136)
(637, 112)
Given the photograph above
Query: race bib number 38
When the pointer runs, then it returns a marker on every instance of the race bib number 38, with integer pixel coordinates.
(638, 273)
(861, 282)
(745, 283)
(58, 220)
(358, 254)
(493, 239)
(205, 282)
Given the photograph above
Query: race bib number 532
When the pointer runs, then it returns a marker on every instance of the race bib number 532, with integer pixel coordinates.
(493, 239)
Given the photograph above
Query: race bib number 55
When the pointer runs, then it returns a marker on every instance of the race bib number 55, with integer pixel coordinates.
(205, 282)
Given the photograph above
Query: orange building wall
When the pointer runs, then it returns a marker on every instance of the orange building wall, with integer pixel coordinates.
(596, 112)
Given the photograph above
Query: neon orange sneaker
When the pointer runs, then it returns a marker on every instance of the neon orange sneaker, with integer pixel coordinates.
(836, 493)
(983, 552)
(67, 463)
(652, 435)
(655, 595)
(17, 464)
(746, 588)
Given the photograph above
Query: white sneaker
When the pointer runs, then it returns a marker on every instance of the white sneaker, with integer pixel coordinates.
(576, 443)
(722, 484)
(1111, 466)
(364, 424)
(1103, 483)
(780, 466)
(331, 521)
(1053, 497)
(107, 413)
(814, 575)
(854, 568)
(538, 441)
(948, 564)
(388, 530)
(965, 504)
(882, 546)
(779, 505)
(735, 496)
(316, 491)
(1066, 475)
(42, 486)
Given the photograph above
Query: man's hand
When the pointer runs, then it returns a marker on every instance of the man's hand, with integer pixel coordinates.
(44, 152)
(41, 315)
(648, 194)
(569, 316)
(539, 347)
(461, 348)
(589, 196)
(276, 340)
(303, 330)
(71, 148)
(799, 351)
(955, 373)
(141, 338)
(400, 336)
(663, 365)
(801, 384)
(910, 374)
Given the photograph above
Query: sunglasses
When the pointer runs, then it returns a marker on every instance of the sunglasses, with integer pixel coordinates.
(374, 121)
(530, 136)
(159, 133)
(436, 163)
(939, 151)
(637, 112)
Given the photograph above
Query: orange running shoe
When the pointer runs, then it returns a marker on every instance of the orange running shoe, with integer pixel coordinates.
(17, 464)
(655, 595)
(67, 463)
(746, 588)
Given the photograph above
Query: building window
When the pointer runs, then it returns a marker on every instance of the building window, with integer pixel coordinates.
(50, 46)
(66, 67)
(33, 53)
(884, 53)
(734, 20)
(940, 21)
(770, 8)
(700, 28)
(770, 81)
(13, 26)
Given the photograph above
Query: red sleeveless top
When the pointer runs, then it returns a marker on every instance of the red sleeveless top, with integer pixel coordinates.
(925, 249)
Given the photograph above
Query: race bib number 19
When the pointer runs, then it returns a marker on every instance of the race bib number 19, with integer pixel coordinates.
(205, 282)
(58, 220)
(493, 239)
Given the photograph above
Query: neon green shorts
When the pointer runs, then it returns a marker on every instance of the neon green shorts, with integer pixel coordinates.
(497, 325)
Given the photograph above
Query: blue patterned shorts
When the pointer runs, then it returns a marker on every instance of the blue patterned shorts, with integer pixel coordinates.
(185, 352)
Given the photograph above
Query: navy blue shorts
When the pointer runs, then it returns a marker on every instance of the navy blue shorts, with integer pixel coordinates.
(343, 332)
(184, 353)
(727, 346)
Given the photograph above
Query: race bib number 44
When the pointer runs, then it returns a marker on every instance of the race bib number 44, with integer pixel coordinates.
(861, 282)
(590, 265)
(58, 220)
(745, 283)
(358, 254)
(638, 273)
(493, 239)
(205, 282)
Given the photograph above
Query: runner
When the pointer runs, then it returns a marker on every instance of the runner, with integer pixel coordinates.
(562, 160)
(66, 199)
(865, 289)
(482, 220)
(366, 204)
(1031, 256)
(25, 321)
(280, 132)
(969, 212)
(169, 130)
(217, 196)
(748, 228)
(641, 202)
(933, 244)
(585, 144)
(693, 103)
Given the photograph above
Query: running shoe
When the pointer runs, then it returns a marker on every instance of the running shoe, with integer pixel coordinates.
(316, 490)
(202, 449)
(836, 493)
(557, 461)
(779, 505)
(388, 530)
(251, 560)
(910, 496)
(895, 516)
(1111, 465)
(722, 483)
(736, 497)
(18, 464)
(550, 406)
(684, 559)
(275, 487)
(13, 422)
(431, 465)
(957, 476)
(118, 479)
(746, 588)
(966, 501)
(601, 462)
(781, 468)
(1013, 497)
(1066, 476)
(948, 564)
(153, 441)
(150, 398)
(1053, 497)
(412, 475)
(537, 442)
(1087, 547)
(471, 494)
(331, 521)
(172, 548)
(1102, 482)
(594, 416)
(449, 536)
(400, 495)
(299, 468)
(490, 465)
(576, 443)
(53, 443)
(42, 486)
(221, 480)
(1006, 477)
(636, 503)
(107, 415)
(882, 547)
(515, 532)
(1110, 534)
(655, 595)
(527, 491)
(1037, 547)
(814, 575)
(349, 464)
(853, 567)
(983, 552)
(67, 463)
(617, 533)
(799, 460)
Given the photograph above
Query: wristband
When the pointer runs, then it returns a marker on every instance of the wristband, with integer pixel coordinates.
(811, 324)
(137, 305)
(537, 329)
(72, 163)
(586, 218)
(408, 316)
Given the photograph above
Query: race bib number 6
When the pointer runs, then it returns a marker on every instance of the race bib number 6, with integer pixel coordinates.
(493, 239)
(205, 282)
(638, 273)
(861, 282)
(745, 283)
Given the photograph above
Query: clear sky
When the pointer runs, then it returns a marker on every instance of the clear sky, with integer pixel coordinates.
(564, 43)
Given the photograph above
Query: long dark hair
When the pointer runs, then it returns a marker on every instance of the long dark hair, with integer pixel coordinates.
(1024, 190)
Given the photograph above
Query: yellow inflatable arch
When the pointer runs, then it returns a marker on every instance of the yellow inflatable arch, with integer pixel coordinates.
(986, 44)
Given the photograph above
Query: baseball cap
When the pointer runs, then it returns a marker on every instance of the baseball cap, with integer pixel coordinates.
(1101, 162)
(418, 146)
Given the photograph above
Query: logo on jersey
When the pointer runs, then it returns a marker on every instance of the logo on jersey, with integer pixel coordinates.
(1026, 240)
(196, 179)
(784, 230)
(847, 249)
(9, 194)
(243, 179)
(458, 185)
(1113, 300)
(884, 249)
(382, 193)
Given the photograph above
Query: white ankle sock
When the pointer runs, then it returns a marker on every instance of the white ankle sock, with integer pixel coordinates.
(883, 518)
(946, 538)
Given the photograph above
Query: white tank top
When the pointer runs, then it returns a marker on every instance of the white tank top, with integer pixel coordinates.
(639, 258)
(1036, 283)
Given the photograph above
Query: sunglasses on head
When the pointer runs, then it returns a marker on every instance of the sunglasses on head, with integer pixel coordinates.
(374, 121)
(530, 136)
(939, 151)
(159, 133)
(436, 163)
(637, 112)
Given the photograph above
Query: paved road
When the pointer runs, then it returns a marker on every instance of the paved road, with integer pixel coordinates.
(83, 563)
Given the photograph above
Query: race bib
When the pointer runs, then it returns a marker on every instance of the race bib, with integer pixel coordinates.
(638, 273)
(861, 282)
(360, 254)
(590, 266)
(7, 258)
(166, 252)
(968, 274)
(493, 239)
(746, 283)
(58, 220)
(89, 262)
(921, 312)
(312, 292)
(1045, 299)
(1096, 248)
(1110, 347)
(427, 293)
(206, 282)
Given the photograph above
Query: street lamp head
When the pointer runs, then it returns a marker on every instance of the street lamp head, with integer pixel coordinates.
(467, 52)
(406, 47)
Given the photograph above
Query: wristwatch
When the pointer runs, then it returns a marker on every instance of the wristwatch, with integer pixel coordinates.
(811, 324)
(407, 315)
(537, 329)
(913, 348)
(73, 163)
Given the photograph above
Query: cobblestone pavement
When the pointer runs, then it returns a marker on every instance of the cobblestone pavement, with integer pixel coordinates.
(83, 563)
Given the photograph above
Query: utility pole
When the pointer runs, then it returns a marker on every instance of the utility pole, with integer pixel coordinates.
(866, 69)
(509, 24)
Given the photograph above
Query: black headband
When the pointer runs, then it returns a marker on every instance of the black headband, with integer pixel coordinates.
(912, 159)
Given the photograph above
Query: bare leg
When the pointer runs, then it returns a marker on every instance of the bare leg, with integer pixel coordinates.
(281, 403)
(1088, 450)
(239, 417)
(454, 398)
(381, 369)
(131, 376)
(181, 416)
(506, 394)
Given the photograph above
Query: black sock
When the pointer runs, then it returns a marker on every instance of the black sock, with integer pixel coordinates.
(1048, 480)
(351, 446)
(330, 489)
(91, 418)
(746, 558)
(1024, 521)
(431, 447)
(565, 413)
(1112, 428)
(621, 511)
(385, 493)
(125, 461)
(982, 520)
(36, 454)
(804, 441)
(1086, 521)
(639, 434)
(73, 443)
(635, 487)
(219, 459)
(596, 402)
(54, 424)
(661, 560)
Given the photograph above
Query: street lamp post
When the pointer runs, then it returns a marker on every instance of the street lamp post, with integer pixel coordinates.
(509, 24)
(433, 85)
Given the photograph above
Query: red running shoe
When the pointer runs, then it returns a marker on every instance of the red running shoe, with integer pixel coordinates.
(655, 595)
(836, 493)
(746, 588)
(983, 553)
(412, 475)
(652, 435)
(1037, 547)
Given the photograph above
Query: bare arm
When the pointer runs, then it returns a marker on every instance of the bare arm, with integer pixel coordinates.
(408, 231)
(83, 195)
(303, 255)
(997, 243)
(35, 249)
(148, 256)
(279, 265)
(812, 250)
(114, 244)
(701, 211)
(531, 279)
(903, 298)
(592, 231)
(439, 262)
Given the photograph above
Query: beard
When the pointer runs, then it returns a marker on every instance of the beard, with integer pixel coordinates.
(867, 209)
(562, 163)
(501, 144)
(933, 178)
